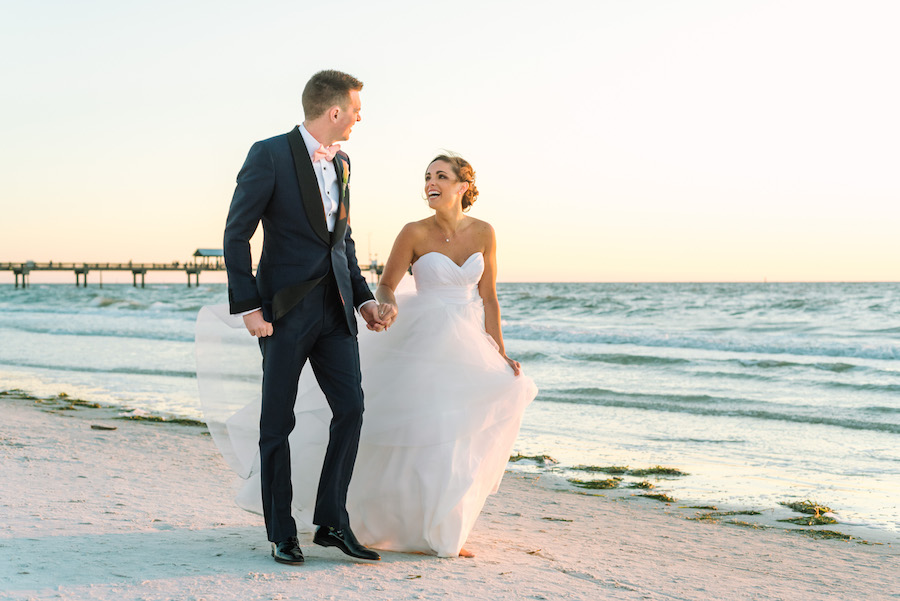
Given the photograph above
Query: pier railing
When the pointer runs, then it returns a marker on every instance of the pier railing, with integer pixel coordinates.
(81, 270)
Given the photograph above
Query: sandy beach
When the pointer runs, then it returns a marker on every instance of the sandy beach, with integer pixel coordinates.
(145, 511)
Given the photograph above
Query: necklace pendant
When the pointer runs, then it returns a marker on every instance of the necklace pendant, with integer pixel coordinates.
(446, 239)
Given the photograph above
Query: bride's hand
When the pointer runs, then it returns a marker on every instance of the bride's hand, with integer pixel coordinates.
(515, 365)
(388, 313)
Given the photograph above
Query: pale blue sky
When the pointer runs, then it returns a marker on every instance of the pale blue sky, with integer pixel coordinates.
(614, 141)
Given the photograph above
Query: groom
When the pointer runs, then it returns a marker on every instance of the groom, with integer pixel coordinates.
(300, 303)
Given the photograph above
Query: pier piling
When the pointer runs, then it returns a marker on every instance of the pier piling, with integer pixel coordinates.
(138, 272)
(79, 271)
(21, 271)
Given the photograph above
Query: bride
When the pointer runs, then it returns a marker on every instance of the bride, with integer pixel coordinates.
(443, 400)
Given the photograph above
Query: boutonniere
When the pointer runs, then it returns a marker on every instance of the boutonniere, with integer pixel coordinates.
(345, 178)
(345, 172)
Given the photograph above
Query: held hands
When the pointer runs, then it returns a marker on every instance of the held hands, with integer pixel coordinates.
(378, 316)
(388, 313)
(256, 325)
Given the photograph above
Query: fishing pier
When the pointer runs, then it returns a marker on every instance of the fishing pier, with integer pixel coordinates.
(204, 259)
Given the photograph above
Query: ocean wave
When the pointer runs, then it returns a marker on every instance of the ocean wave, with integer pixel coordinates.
(531, 356)
(626, 359)
(116, 298)
(591, 393)
(707, 405)
(167, 335)
(133, 371)
(700, 440)
(104, 301)
(879, 409)
(735, 375)
(852, 387)
(883, 331)
(799, 298)
(769, 363)
(576, 302)
(888, 388)
(786, 345)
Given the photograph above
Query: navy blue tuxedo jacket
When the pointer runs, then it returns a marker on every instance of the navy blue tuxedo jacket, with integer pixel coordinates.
(277, 186)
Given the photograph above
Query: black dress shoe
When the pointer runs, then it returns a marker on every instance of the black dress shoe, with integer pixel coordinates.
(343, 539)
(288, 551)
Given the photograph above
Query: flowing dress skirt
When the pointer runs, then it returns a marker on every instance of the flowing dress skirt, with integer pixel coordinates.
(443, 410)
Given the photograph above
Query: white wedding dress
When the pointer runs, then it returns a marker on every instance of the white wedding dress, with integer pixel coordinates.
(443, 410)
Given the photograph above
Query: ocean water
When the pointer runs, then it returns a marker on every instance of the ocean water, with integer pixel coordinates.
(762, 392)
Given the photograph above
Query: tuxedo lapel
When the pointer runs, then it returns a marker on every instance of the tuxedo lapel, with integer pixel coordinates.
(343, 175)
(309, 187)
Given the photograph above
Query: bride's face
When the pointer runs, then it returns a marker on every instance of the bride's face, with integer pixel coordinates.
(442, 187)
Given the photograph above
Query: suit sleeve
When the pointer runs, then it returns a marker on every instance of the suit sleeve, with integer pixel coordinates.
(361, 292)
(255, 183)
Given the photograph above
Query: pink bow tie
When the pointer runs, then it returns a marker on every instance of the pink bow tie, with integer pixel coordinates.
(325, 152)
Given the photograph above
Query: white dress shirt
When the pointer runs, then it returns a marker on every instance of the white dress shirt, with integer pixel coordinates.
(327, 178)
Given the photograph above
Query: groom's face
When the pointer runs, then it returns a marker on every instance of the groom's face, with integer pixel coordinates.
(348, 116)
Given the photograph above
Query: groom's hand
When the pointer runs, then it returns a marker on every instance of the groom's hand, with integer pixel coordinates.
(371, 312)
(256, 325)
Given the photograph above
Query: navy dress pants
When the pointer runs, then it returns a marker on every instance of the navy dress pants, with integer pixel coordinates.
(315, 330)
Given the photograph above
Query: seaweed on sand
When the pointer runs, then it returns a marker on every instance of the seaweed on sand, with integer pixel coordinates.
(643, 484)
(739, 512)
(826, 534)
(86, 404)
(62, 400)
(808, 507)
(747, 525)
(704, 517)
(596, 484)
(664, 498)
(540, 459)
(715, 516)
(813, 520)
(609, 469)
(159, 419)
(657, 470)
(19, 394)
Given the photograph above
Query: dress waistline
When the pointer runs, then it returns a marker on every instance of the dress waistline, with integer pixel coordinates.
(452, 295)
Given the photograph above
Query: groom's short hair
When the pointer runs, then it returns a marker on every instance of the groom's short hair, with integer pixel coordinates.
(326, 89)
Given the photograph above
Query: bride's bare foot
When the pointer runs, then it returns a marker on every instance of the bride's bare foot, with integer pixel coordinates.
(466, 553)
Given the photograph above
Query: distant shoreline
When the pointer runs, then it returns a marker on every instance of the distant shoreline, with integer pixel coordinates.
(210, 275)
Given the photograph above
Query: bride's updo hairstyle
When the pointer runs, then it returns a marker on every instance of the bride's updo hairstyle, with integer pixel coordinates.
(464, 173)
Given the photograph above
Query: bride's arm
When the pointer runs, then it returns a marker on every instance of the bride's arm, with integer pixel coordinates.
(487, 288)
(398, 262)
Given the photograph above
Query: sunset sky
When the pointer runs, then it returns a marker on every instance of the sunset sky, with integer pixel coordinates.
(613, 140)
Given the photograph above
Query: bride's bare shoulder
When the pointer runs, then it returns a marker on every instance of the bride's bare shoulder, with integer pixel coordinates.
(482, 228)
(415, 229)
(412, 233)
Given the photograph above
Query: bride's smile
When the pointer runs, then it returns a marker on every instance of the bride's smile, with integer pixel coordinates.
(441, 186)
